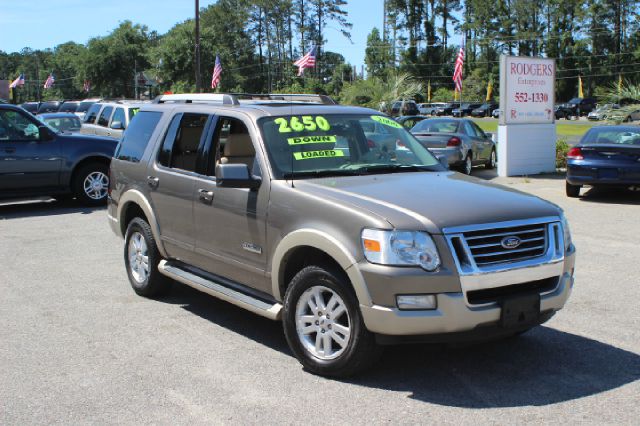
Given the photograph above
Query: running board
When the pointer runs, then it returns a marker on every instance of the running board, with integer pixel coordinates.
(221, 291)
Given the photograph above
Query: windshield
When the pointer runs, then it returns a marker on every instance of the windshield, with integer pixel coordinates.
(608, 135)
(436, 126)
(335, 145)
(64, 124)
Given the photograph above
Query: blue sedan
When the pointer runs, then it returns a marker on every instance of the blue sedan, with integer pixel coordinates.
(607, 156)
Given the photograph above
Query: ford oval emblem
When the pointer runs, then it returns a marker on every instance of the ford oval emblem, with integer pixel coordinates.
(511, 242)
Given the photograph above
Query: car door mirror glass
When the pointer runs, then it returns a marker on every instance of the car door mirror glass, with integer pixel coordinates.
(117, 125)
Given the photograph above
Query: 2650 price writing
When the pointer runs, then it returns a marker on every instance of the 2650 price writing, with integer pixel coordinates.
(531, 97)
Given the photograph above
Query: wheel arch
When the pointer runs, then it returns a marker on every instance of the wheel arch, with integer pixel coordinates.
(294, 250)
(101, 159)
(130, 205)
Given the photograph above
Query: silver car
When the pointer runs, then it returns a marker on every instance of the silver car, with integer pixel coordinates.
(461, 141)
(108, 118)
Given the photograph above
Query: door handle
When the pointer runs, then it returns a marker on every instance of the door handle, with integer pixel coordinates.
(9, 150)
(153, 181)
(205, 196)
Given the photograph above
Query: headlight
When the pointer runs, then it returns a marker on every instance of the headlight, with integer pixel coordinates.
(400, 248)
(566, 230)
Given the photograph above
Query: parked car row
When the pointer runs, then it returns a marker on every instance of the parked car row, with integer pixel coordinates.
(78, 108)
(458, 109)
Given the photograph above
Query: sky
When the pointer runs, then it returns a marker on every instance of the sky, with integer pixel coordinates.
(41, 24)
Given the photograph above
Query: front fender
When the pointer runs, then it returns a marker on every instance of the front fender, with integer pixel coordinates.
(326, 243)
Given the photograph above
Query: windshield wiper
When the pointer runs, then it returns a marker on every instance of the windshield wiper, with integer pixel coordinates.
(395, 168)
(320, 173)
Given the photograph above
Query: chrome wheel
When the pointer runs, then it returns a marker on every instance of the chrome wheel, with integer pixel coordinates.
(138, 257)
(95, 185)
(323, 323)
(468, 165)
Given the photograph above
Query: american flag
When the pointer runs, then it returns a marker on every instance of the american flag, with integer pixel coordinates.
(307, 61)
(17, 82)
(457, 72)
(49, 81)
(217, 71)
(86, 86)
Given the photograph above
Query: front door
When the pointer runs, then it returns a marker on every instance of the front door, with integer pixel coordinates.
(171, 178)
(231, 222)
(27, 162)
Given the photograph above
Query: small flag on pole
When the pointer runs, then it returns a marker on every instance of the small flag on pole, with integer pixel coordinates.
(580, 91)
(307, 61)
(217, 72)
(489, 90)
(86, 86)
(17, 82)
(49, 81)
(457, 72)
(429, 91)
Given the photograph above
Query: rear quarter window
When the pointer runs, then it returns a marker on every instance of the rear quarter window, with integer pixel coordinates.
(137, 136)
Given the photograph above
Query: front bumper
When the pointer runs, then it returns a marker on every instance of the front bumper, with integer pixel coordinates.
(455, 315)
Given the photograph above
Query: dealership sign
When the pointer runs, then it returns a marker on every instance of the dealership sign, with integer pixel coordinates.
(527, 94)
(527, 129)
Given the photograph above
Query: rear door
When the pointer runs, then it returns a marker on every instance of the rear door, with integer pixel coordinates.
(27, 162)
(102, 128)
(89, 122)
(231, 222)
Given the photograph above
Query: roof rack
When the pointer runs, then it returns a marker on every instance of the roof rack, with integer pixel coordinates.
(235, 98)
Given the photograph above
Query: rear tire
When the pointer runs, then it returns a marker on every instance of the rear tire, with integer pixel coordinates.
(91, 184)
(141, 258)
(572, 191)
(467, 166)
(324, 326)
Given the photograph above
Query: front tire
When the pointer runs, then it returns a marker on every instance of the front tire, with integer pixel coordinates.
(572, 191)
(91, 184)
(323, 324)
(141, 258)
(491, 163)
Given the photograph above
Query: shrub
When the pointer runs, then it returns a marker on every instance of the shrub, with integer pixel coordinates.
(562, 147)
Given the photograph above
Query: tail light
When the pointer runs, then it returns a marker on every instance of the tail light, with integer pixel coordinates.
(370, 143)
(575, 154)
(454, 141)
(400, 144)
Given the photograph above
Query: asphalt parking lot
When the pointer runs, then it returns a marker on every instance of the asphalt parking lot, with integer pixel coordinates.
(78, 346)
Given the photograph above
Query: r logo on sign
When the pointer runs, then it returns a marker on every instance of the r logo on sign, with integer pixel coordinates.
(513, 113)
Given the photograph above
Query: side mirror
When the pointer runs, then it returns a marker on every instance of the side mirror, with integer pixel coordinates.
(443, 160)
(117, 125)
(45, 133)
(235, 176)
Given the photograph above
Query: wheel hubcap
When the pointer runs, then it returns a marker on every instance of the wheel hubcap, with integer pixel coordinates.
(323, 323)
(493, 158)
(138, 257)
(95, 185)
(467, 165)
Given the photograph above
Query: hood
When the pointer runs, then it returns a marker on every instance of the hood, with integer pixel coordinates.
(429, 201)
(81, 137)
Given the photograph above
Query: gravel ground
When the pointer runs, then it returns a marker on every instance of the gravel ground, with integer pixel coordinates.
(78, 346)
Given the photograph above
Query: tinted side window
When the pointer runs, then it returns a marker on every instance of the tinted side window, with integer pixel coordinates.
(92, 113)
(103, 120)
(119, 116)
(180, 146)
(479, 132)
(136, 138)
(16, 127)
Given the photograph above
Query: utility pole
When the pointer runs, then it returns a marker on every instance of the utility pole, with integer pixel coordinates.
(198, 80)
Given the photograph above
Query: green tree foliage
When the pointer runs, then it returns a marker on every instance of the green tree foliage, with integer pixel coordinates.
(377, 54)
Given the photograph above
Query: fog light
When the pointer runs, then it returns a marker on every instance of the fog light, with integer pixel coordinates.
(416, 301)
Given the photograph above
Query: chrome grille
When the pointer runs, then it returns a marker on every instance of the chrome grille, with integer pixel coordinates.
(486, 248)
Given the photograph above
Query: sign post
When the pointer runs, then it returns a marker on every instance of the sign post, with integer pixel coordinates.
(527, 130)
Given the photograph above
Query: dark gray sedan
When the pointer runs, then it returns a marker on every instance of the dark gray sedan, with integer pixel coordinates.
(463, 143)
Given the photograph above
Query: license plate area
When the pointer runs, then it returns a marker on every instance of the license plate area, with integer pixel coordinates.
(608, 173)
(520, 311)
